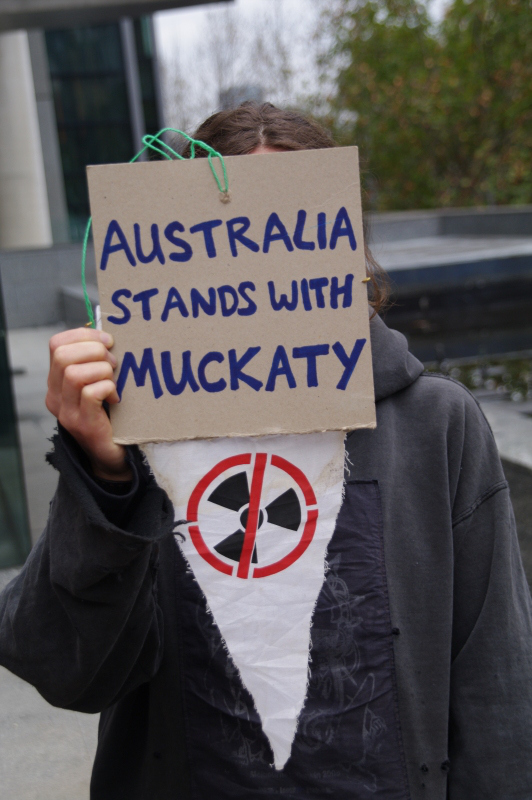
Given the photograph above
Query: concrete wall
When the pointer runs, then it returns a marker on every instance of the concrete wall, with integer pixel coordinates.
(24, 215)
(51, 153)
(397, 226)
(32, 281)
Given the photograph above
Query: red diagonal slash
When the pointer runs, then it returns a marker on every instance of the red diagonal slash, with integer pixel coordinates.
(253, 515)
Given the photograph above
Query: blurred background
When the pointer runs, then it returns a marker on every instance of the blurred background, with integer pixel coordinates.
(437, 94)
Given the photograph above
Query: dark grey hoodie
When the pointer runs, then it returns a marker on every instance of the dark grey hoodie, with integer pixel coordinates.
(458, 594)
(91, 620)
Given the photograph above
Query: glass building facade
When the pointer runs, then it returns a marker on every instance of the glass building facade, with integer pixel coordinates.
(145, 58)
(104, 89)
(88, 70)
(14, 528)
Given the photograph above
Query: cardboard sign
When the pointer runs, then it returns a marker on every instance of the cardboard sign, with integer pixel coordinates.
(238, 318)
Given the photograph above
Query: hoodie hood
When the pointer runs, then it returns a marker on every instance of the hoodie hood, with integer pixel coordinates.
(394, 368)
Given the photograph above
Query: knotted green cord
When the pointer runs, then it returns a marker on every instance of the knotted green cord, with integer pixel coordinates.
(150, 143)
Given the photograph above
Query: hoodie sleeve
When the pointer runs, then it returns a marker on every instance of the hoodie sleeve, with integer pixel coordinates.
(81, 621)
(490, 738)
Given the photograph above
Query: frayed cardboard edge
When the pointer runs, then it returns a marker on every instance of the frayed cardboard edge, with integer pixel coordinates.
(127, 440)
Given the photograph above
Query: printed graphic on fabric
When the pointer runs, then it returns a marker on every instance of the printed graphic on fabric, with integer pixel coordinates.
(272, 492)
(233, 493)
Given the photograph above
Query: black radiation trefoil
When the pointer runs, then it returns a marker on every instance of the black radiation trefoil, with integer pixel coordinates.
(233, 493)
(285, 511)
(295, 511)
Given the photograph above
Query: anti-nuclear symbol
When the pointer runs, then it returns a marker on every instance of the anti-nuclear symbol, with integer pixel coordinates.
(255, 521)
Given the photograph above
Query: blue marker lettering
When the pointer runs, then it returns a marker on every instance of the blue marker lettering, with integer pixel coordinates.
(322, 230)
(156, 249)
(283, 301)
(207, 228)
(349, 362)
(197, 300)
(144, 298)
(298, 233)
(236, 365)
(237, 235)
(311, 353)
(108, 248)
(223, 291)
(211, 386)
(346, 290)
(281, 235)
(342, 227)
(318, 285)
(173, 300)
(170, 232)
(280, 366)
(305, 295)
(187, 375)
(147, 365)
(115, 298)
(243, 289)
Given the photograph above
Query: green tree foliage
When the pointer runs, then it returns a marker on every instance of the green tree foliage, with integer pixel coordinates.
(442, 113)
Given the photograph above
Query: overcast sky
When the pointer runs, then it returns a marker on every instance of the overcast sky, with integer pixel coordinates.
(179, 38)
(181, 29)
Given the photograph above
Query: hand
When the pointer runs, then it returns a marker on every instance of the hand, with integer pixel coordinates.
(80, 379)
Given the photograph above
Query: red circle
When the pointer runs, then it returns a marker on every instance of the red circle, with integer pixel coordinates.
(233, 461)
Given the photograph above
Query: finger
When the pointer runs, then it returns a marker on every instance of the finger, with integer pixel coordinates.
(76, 353)
(92, 429)
(113, 399)
(86, 420)
(77, 376)
(79, 335)
(93, 395)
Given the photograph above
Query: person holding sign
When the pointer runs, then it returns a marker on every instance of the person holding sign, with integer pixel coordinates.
(420, 664)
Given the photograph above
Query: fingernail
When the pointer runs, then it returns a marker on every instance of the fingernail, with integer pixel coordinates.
(106, 338)
(113, 360)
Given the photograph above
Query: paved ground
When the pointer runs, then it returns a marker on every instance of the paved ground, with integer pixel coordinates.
(46, 753)
(28, 353)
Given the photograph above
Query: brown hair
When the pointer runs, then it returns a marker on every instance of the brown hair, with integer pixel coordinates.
(240, 130)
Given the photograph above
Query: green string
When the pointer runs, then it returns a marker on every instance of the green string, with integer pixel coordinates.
(88, 304)
(157, 145)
